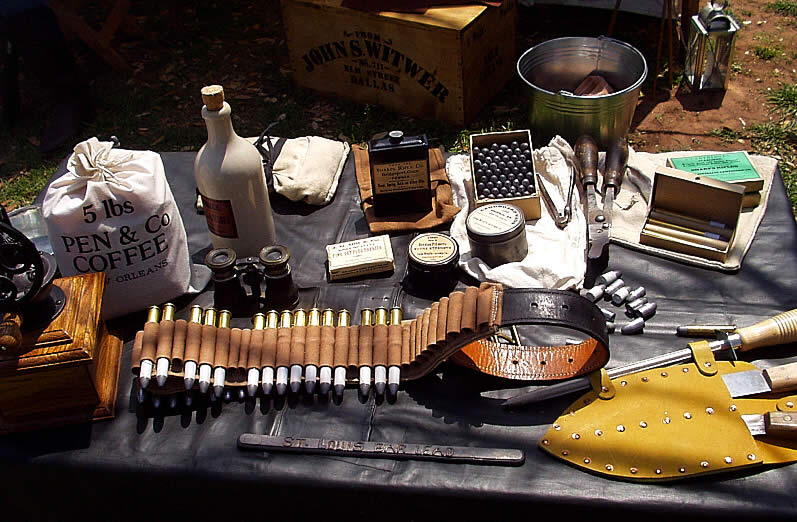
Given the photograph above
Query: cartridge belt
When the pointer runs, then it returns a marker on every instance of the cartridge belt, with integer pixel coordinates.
(463, 319)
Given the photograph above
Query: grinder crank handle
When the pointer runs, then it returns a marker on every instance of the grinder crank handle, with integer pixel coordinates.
(586, 151)
(616, 162)
(780, 329)
(10, 333)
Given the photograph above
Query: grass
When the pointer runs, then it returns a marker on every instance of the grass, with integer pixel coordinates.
(766, 52)
(784, 100)
(784, 7)
(779, 139)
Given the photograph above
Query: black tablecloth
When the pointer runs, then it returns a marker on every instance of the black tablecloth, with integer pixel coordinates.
(148, 464)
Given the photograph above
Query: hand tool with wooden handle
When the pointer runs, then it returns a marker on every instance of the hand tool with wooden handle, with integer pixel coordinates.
(775, 423)
(586, 152)
(780, 329)
(776, 379)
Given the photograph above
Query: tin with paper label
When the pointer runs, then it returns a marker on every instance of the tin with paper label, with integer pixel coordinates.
(400, 174)
(432, 264)
(497, 234)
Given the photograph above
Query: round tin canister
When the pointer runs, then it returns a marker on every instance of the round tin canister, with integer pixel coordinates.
(432, 262)
(553, 69)
(497, 233)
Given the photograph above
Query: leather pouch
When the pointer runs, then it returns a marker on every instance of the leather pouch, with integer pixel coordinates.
(667, 424)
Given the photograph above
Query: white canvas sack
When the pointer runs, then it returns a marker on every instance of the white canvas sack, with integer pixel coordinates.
(113, 212)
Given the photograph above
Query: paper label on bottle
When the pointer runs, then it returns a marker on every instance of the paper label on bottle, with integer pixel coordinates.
(221, 220)
(400, 176)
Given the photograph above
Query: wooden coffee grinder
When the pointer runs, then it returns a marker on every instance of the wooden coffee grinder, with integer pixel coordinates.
(58, 362)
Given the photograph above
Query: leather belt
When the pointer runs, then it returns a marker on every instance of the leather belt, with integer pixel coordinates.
(544, 308)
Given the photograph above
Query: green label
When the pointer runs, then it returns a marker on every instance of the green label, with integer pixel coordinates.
(731, 167)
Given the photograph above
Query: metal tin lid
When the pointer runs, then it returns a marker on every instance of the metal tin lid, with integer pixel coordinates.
(495, 222)
(396, 139)
(433, 250)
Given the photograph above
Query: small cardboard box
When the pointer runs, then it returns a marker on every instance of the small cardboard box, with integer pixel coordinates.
(444, 64)
(529, 204)
(370, 255)
(692, 214)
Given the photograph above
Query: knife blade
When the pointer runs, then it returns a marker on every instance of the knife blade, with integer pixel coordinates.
(752, 382)
(771, 423)
(780, 329)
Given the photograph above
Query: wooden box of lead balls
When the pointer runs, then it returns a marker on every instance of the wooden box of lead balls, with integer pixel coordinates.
(502, 170)
(692, 214)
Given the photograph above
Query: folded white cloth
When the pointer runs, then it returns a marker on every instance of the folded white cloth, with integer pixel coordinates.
(556, 257)
(308, 168)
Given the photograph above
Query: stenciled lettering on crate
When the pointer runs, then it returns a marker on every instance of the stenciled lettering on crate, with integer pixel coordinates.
(444, 65)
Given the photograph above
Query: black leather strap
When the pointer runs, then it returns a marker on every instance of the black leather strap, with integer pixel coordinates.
(554, 308)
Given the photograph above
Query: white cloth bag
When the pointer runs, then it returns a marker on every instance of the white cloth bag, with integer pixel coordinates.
(114, 212)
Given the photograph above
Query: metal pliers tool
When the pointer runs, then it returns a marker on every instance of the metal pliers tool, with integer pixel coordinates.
(599, 220)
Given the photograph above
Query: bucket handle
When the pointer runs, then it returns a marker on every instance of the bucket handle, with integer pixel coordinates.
(565, 93)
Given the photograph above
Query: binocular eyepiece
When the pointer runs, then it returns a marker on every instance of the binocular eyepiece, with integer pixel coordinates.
(253, 282)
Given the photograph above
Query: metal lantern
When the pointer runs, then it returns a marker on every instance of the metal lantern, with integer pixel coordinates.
(711, 39)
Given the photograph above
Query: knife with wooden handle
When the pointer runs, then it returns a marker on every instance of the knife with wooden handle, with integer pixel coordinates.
(780, 329)
(776, 379)
(776, 423)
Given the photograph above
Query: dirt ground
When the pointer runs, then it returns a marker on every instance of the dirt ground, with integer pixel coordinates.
(676, 119)
(183, 45)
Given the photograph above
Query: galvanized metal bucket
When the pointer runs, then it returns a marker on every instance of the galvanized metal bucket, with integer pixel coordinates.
(554, 69)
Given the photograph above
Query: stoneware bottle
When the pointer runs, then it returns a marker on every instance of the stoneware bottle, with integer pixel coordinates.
(229, 176)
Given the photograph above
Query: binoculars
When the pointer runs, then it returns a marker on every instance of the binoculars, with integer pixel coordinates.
(252, 283)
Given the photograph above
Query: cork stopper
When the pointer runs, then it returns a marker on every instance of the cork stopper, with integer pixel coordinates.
(213, 97)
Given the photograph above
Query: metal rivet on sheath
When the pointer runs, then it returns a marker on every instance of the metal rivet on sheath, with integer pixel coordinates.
(682, 470)
(728, 460)
(710, 410)
(647, 310)
(633, 470)
(587, 460)
(632, 306)
(634, 327)
(636, 293)
(608, 315)
(621, 295)
(658, 471)
(608, 277)
(790, 404)
(609, 467)
(575, 436)
(546, 442)
(612, 288)
(595, 293)
(751, 456)
(704, 464)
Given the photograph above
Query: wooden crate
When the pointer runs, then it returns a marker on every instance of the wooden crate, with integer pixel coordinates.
(70, 371)
(445, 64)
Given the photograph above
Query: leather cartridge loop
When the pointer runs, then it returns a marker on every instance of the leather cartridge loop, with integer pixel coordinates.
(463, 319)
(558, 308)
